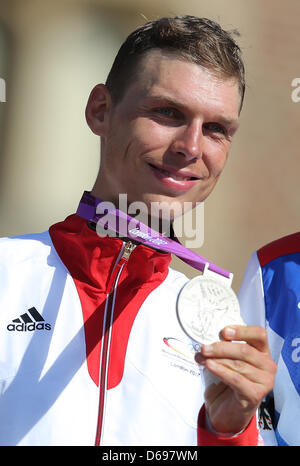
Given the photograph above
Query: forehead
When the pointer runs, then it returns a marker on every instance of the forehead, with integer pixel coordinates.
(165, 74)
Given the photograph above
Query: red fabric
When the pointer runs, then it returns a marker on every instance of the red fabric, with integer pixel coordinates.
(91, 266)
(249, 437)
(280, 247)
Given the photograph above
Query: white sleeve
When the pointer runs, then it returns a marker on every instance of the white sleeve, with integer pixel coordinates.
(251, 294)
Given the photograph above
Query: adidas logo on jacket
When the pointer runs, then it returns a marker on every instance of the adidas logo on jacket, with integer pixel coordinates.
(29, 325)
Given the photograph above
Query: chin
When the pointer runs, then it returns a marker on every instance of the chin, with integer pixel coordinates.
(166, 208)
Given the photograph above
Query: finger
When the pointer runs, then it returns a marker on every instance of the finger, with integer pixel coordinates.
(200, 359)
(236, 351)
(251, 373)
(247, 390)
(252, 334)
(236, 355)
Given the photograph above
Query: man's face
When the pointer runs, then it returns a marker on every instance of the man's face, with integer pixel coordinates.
(168, 138)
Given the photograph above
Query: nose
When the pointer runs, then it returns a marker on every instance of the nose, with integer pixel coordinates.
(189, 141)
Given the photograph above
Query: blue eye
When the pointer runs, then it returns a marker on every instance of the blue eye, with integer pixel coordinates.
(215, 128)
(166, 111)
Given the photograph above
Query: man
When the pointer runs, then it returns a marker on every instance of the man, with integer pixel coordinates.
(269, 297)
(90, 332)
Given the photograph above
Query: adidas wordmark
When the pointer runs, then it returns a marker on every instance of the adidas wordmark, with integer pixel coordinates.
(28, 322)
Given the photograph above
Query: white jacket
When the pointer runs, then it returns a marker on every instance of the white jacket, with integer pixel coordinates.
(90, 346)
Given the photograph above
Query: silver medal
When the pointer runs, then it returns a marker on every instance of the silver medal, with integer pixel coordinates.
(207, 304)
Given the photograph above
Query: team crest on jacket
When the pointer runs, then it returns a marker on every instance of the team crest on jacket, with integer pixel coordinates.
(28, 322)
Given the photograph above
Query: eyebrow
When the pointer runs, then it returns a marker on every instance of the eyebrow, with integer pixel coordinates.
(174, 103)
(165, 100)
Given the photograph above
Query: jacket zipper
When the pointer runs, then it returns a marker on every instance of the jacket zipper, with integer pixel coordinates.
(106, 333)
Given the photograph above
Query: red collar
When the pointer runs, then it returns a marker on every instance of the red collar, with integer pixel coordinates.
(90, 258)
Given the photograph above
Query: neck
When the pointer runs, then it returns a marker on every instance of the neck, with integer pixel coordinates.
(158, 224)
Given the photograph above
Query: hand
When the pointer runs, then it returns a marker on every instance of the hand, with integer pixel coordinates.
(246, 372)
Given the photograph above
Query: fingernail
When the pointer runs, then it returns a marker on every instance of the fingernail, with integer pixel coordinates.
(207, 349)
(230, 332)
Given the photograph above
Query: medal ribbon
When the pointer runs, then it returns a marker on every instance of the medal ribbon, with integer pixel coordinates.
(124, 225)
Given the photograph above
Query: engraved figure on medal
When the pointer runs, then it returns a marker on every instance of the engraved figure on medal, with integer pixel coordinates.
(205, 306)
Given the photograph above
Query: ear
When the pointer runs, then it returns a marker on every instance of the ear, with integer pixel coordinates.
(97, 109)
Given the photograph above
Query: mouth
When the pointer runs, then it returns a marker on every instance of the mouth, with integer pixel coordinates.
(176, 175)
(174, 179)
